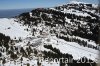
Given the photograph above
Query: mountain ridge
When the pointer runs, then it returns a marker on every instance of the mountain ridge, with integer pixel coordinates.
(68, 31)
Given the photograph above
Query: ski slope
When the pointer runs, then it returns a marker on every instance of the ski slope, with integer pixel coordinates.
(74, 49)
(13, 29)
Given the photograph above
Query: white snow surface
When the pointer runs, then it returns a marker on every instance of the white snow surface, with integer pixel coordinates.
(74, 49)
(76, 12)
(13, 29)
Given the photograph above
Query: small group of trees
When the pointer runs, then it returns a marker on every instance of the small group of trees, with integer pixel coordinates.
(81, 32)
(23, 52)
(4, 40)
(13, 56)
(55, 53)
(26, 52)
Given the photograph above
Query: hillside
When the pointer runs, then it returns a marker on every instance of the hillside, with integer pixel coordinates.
(67, 31)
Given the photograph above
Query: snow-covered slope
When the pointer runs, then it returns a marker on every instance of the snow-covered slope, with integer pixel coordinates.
(11, 28)
(68, 31)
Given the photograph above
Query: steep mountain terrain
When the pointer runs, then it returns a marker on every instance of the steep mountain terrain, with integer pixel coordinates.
(68, 31)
